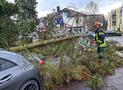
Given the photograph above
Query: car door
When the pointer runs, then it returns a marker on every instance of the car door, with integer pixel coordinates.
(9, 74)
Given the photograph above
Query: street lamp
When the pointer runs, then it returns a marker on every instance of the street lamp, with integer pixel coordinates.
(122, 16)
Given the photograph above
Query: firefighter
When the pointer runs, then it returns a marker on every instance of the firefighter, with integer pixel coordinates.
(100, 40)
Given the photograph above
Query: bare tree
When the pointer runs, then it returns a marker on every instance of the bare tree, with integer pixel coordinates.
(92, 7)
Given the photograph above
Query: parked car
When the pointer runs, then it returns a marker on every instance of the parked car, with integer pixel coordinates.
(112, 33)
(17, 73)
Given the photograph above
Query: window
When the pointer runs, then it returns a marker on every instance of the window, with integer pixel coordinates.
(5, 64)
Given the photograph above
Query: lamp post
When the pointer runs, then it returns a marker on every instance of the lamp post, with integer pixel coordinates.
(121, 17)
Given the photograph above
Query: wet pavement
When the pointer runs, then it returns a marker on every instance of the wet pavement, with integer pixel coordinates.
(75, 85)
(112, 82)
(118, 39)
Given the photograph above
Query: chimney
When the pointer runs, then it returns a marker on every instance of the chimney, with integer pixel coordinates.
(58, 8)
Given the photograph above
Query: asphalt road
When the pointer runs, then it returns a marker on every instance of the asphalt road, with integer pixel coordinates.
(118, 39)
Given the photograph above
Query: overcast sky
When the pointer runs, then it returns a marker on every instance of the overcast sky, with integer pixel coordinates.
(46, 6)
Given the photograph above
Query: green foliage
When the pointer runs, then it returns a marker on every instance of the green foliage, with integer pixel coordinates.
(25, 27)
(96, 81)
(8, 29)
(16, 19)
(104, 67)
(57, 49)
(26, 18)
(51, 74)
(7, 9)
(76, 67)
(66, 70)
(26, 9)
(76, 72)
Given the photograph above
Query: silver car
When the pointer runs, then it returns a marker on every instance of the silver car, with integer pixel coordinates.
(17, 73)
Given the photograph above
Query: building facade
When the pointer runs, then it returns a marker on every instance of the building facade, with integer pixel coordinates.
(68, 18)
(115, 20)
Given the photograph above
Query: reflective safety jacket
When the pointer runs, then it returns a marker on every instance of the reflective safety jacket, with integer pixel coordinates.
(100, 38)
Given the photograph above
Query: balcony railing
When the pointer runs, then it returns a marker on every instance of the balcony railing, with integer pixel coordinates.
(113, 18)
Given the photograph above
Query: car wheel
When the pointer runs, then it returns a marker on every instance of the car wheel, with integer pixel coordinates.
(30, 85)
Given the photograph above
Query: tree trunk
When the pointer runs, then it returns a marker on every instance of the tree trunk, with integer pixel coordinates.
(38, 44)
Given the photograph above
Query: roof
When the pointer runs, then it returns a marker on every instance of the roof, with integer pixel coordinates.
(73, 13)
(95, 15)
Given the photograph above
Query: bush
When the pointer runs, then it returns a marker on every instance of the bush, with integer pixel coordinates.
(96, 82)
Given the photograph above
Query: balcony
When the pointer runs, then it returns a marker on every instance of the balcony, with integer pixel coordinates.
(114, 18)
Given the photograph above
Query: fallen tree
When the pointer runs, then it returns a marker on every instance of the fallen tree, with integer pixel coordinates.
(38, 44)
(84, 66)
(72, 66)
